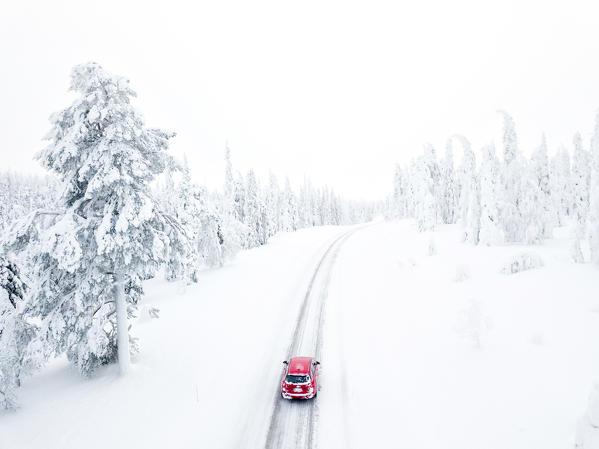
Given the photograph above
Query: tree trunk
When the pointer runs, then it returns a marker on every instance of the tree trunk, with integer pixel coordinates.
(122, 324)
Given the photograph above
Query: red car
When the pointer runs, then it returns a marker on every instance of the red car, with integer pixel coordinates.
(300, 380)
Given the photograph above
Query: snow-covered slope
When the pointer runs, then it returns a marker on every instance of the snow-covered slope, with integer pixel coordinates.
(445, 351)
(418, 351)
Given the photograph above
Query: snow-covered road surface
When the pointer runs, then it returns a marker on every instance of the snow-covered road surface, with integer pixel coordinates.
(293, 424)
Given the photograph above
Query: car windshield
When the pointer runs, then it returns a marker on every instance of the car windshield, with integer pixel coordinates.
(295, 379)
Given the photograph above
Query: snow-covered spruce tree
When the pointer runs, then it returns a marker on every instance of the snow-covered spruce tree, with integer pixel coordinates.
(561, 186)
(469, 208)
(273, 205)
(229, 185)
(19, 354)
(490, 192)
(210, 240)
(253, 213)
(581, 177)
(168, 199)
(305, 211)
(400, 194)
(540, 214)
(512, 176)
(230, 211)
(239, 200)
(448, 187)
(289, 217)
(187, 210)
(531, 207)
(594, 196)
(108, 234)
(425, 190)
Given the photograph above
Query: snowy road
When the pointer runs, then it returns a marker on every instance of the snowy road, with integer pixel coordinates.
(293, 424)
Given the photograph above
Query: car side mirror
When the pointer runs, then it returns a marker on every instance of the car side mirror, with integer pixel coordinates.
(316, 362)
(285, 362)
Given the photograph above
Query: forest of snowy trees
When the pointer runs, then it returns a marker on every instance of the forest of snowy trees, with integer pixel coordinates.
(116, 209)
(505, 200)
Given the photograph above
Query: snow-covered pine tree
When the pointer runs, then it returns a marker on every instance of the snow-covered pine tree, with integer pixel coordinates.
(239, 202)
(305, 211)
(594, 195)
(230, 213)
(561, 187)
(581, 177)
(539, 214)
(273, 206)
(108, 234)
(510, 214)
(229, 185)
(425, 190)
(469, 196)
(400, 195)
(448, 192)
(289, 216)
(253, 212)
(490, 192)
(210, 239)
(472, 220)
(187, 211)
(19, 354)
(168, 200)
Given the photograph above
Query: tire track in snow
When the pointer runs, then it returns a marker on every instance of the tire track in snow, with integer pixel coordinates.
(294, 423)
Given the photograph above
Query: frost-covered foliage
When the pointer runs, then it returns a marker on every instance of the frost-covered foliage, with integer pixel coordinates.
(522, 262)
(469, 195)
(513, 200)
(244, 214)
(426, 188)
(581, 182)
(106, 235)
(102, 224)
(18, 355)
(490, 197)
(22, 194)
(212, 236)
(594, 196)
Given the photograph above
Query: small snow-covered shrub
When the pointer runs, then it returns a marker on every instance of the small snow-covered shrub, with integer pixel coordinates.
(472, 324)
(522, 262)
(432, 247)
(153, 312)
(462, 273)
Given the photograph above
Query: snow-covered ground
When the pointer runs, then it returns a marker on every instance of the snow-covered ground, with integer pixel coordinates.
(425, 360)
(419, 351)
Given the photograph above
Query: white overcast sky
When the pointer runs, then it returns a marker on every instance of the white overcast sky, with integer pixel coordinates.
(337, 91)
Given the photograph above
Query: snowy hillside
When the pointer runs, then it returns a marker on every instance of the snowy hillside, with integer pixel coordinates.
(418, 351)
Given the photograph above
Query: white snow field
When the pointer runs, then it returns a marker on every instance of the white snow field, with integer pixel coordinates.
(417, 351)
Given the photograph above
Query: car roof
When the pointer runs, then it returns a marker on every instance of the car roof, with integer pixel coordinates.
(299, 365)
